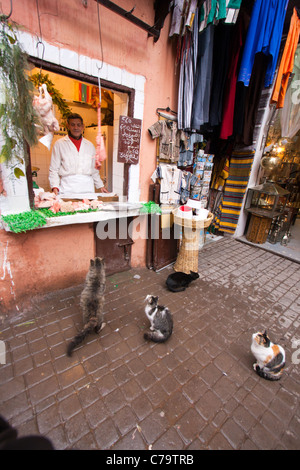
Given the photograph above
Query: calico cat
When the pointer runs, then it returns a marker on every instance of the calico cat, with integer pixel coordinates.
(161, 320)
(178, 282)
(91, 302)
(270, 357)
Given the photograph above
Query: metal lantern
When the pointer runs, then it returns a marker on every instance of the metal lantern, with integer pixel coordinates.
(266, 200)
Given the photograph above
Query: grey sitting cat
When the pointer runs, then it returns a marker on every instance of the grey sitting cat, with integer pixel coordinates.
(270, 358)
(91, 302)
(161, 320)
(178, 282)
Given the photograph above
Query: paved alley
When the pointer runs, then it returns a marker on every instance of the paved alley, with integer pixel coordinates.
(196, 391)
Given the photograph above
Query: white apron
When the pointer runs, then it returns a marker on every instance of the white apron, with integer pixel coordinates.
(75, 184)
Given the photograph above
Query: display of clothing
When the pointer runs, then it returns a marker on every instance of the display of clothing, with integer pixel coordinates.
(227, 53)
(187, 72)
(186, 87)
(176, 21)
(186, 154)
(190, 14)
(264, 35)
(187, 181)
(169, 139)
(221, 54)
(247, 101)
(287, 61)
(202, 90)
(170, 182)
(73, 170)
(212, 11)
(203, 59)
(240, 31)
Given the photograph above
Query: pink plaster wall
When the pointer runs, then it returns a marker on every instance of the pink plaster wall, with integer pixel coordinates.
(68, 24)
(40, 261)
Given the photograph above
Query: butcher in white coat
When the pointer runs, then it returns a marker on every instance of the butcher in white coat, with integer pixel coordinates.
(72, 167)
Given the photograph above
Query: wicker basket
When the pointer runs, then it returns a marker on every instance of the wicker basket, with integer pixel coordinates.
(187, 259)
(191, 223)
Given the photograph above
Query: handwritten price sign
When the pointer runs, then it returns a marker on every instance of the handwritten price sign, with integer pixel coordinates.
(129, 140)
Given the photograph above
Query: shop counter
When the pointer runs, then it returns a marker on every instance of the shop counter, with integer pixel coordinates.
(115, 210)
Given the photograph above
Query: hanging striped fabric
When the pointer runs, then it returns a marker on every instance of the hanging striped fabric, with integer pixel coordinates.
(82, 92)
(228, 212)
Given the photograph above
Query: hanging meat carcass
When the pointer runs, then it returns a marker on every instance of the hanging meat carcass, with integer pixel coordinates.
(100, 144)
(44, 106)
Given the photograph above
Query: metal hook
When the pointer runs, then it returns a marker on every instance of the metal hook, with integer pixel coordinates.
(37, 44)
(130, 11)
(6, 17)
(42, 59)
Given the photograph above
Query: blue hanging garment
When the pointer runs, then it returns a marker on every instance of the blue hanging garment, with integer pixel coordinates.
(264, 35)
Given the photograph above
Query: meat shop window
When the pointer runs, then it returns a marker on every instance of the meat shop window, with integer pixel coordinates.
(81, 96)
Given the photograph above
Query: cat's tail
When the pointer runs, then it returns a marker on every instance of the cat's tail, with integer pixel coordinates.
(156, 336)
(79, 338)
(269, 375)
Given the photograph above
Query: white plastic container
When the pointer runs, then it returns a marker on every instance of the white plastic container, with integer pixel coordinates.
(185, 212)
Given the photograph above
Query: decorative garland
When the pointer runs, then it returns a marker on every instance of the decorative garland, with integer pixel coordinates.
(18, 118)
(24, 221)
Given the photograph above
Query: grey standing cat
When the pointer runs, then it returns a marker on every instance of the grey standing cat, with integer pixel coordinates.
(161, 320)
(91, 302)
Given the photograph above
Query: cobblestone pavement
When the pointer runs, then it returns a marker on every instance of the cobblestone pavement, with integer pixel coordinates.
(196, 391)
